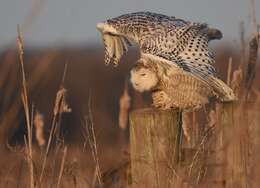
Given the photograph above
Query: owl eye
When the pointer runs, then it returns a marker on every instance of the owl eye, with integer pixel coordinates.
(143, 74)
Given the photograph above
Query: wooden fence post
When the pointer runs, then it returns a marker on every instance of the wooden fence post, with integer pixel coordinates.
(155, 147)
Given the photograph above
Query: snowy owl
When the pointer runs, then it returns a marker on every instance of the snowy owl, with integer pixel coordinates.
(170, 88)
(176, 64)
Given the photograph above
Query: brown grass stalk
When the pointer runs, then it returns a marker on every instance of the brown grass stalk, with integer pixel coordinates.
(253, 16)
(229, 71)
(236, 82)
(251, 65)
(243, 45)
(25, 102)
(62, 166)
(200, 148)
(90, 137)
(60, 106)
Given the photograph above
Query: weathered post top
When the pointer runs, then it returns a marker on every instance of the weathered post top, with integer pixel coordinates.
(155, 146)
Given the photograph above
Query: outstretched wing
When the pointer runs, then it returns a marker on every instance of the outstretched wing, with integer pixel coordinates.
(207, 74)
(195, 58)
(146, 29)
(189, 51)
(170, 41)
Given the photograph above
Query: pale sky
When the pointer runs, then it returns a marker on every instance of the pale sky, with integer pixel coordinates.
(65, 22)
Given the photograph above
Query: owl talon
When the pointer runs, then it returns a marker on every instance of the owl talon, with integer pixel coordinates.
(161, 100)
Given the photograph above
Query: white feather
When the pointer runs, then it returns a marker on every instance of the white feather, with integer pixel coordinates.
(118, 49)
(109, 43)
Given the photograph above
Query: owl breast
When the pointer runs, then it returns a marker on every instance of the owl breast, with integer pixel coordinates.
(182, 91)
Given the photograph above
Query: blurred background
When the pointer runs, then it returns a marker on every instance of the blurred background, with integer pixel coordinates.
(66, 23)
(60, 38)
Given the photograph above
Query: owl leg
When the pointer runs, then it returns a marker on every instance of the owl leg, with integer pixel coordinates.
(161, 100)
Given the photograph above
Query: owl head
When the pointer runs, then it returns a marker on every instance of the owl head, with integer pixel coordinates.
(143, 76)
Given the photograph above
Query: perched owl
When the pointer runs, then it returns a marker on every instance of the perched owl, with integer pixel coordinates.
(171, 88)
(176, 63)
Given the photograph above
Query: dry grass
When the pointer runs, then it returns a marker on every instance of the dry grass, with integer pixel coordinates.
(90, 137)
(53, 166)
(24, 94)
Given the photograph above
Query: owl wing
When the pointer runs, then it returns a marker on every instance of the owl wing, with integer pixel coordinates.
(189, 53)
(148, 30)
(170, 41)
(195, 59)
(187, 91)
(115, 47)
(206, 73)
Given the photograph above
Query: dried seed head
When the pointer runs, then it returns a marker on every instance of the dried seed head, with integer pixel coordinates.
(39, 128)
(212, 118)
(237, 80)
(61, 104)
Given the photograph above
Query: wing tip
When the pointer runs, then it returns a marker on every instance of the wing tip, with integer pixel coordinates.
(229, 97)
(214, 34)
(226, 94)
(100, 26)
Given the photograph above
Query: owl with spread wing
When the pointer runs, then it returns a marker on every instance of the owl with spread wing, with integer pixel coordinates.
(175, 63)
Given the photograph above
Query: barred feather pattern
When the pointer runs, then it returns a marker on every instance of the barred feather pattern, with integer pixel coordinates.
(182, 91)
(170, 44)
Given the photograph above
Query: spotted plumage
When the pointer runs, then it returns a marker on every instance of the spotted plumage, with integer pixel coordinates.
(174, 45)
